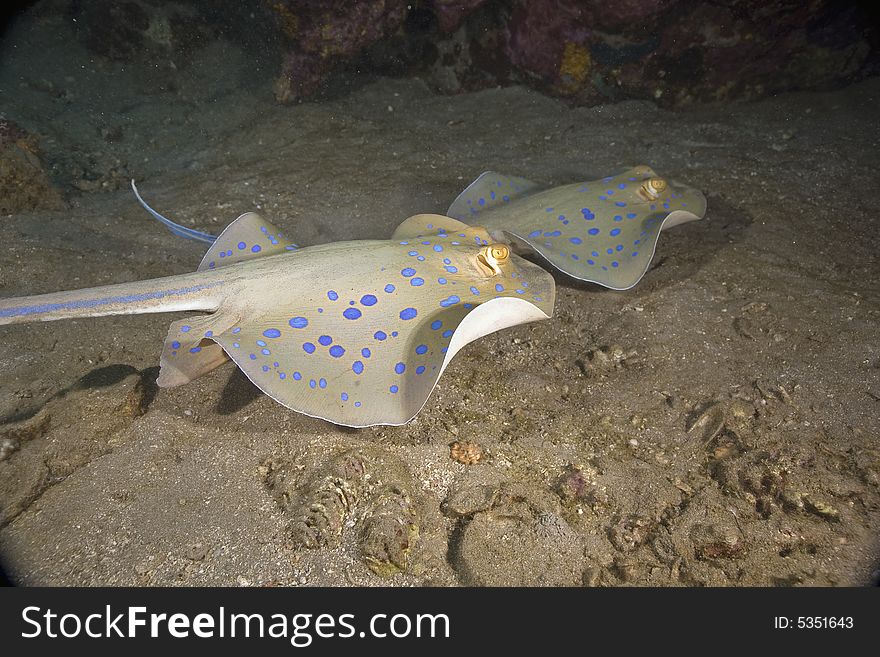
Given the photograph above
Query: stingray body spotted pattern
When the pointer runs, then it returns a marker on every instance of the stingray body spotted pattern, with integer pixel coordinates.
(356, 333)
(603, 231)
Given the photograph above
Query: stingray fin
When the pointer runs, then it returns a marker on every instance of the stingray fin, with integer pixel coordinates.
(189, 352)
(490, 190)
(249, 236)
(176, 229)
(426, 225)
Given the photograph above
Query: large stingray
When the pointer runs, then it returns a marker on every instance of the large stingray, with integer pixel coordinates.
(356, 333)
(604, 231)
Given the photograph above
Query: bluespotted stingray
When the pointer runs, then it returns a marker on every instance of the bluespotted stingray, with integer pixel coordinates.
(603, 231)
(357, 333)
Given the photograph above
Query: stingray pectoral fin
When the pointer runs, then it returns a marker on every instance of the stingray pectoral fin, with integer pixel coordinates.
(376, 377)
(490, 190)
(250, 236)
(426, 225)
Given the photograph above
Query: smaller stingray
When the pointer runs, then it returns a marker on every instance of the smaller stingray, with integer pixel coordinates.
(604, 231)
(357, 333)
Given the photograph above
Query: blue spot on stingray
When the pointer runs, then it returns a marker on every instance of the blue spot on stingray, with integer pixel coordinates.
(400, 368)
(468, 306)
(298, 322)
(620, 204)
(452, 269)
(555, 233)
(394, 389)
(253, 357)
(369, 300)
(380, 335)
(336, 351)
(357, 404)
(591, 262)
(265, 368)
(195, 350)
(407, 271)
(185, 329)
(408, 313)
(365, 352)
(448, 333)
(482, 201)
(357, 367)
(535, 233)
(621, 186)
(447, 261)
(575, 240)
(421, 258)
(261, 343)
(610, 251)
(282, 375)
(322, 383)
(619, 247)
(331, 294)
(325, 340)
(393, 334)
(615, 263)
(434, 325)
(265, 352)
(417, 282)
(634, 254)
(617, 217)
(242, 246)
(236, 344)
(272, 333)
(450, 301)
(297, 376)
(308, 347)
(441, 280)
(475, 291)
(499, 287)
(389, 288)
(312, 384)
(351, 313)
(588, 214)
(505, 198)
(593, 231)
(237, 329)
(615, 232)
(344, 396)
(631, 215)
(256, 248)
(438, 248)
(421, 349)
(413, 253)
(175, 345)
(420, 369)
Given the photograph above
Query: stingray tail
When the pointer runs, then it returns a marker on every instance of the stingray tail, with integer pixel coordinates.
(177, 229)
(198, 291)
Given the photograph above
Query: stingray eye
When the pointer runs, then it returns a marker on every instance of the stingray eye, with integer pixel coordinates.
(492, 256)
(653, 187)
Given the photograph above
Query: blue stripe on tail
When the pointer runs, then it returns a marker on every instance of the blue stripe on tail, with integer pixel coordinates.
(177, 229)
